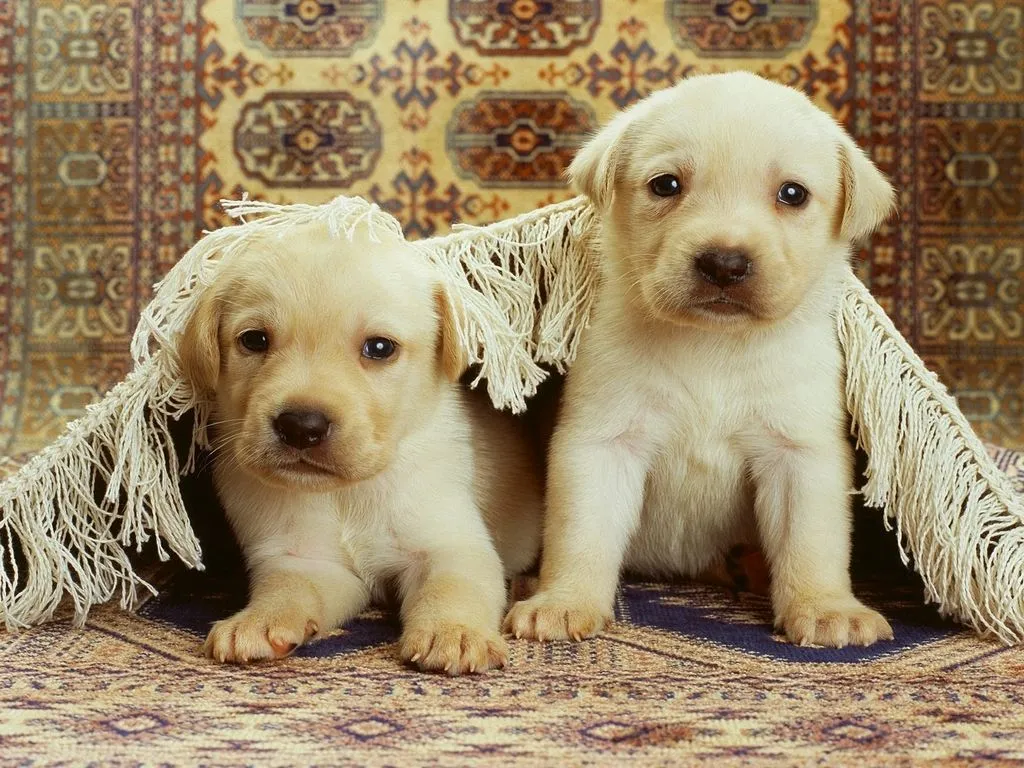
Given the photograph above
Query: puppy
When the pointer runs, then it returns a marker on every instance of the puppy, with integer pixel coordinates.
(349, 461)
(706, 407)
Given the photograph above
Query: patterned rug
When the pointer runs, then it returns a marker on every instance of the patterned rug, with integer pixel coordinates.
(122, 122)
(688, 672)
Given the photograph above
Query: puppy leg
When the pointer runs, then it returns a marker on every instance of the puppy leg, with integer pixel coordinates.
(452, 601)
(802, 504)
(595, 493)
(292, 599)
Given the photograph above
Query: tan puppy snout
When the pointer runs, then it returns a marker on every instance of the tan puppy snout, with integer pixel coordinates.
(302, 428)
(724, 267)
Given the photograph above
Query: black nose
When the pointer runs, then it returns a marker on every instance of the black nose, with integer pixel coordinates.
(723, 268)
(301, 429)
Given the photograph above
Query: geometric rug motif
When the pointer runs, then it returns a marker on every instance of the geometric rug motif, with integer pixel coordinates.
(686, 673)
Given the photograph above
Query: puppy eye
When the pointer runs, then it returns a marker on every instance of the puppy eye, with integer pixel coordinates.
(378, 348)
(665, 185)
(254, 340)
(792, 194)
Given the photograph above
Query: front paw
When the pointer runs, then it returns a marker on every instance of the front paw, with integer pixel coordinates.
(546, 617)
(834, 622)
(452, 648)
(253, 635)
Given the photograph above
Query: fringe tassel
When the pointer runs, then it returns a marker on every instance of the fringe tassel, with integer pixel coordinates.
(524, 289)
(72, 543)
(525, 286)
(956, 515)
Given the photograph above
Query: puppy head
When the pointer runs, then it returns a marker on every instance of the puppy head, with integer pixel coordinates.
(726, 198)
(321, 355)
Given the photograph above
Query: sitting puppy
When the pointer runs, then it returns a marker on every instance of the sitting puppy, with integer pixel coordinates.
(348, 458)
(706, 405)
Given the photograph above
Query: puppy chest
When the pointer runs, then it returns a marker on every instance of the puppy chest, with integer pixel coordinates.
(698, 502)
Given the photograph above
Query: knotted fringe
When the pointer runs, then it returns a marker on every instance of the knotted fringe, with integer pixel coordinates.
(108, 483)
(522, 290)
(956, 515)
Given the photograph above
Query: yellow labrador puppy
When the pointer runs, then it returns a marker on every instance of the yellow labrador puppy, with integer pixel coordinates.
(348, 458)
(706, 405)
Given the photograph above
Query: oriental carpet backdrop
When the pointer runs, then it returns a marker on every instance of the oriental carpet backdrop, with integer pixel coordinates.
(123, 122)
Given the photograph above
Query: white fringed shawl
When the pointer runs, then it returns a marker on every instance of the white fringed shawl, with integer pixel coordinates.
(525, 287)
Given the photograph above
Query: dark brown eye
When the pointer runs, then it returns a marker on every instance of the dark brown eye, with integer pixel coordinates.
(665, 185)
(378, 348)
(792, 194)
(254, 341)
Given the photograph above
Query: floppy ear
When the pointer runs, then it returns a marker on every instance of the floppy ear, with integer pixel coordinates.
(593, 169)
(199, 345)
(868, 197)
(454, 360)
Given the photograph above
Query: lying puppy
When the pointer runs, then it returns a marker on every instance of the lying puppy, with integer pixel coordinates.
(706, 406)
(348, 458)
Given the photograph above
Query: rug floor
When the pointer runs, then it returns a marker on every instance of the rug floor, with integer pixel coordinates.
(688, 672)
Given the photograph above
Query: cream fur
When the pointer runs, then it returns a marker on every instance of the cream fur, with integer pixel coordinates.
(689, 425)
(420, 489)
